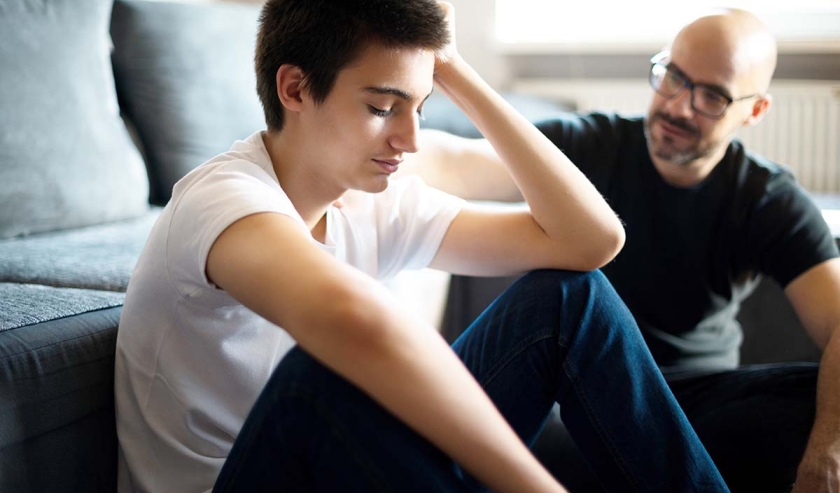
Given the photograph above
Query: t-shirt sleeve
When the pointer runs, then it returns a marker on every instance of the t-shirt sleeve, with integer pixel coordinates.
(411, 221)
(788, 232)
(210, 204)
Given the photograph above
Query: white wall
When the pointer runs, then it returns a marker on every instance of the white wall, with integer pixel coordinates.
(474, 28)
(474, 34)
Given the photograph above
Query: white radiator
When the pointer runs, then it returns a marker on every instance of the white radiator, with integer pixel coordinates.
(801, 131)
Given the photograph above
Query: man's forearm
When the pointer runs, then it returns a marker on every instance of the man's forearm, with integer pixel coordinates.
(466, 168)
(820, 465)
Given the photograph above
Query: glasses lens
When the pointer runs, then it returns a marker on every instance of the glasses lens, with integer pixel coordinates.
(666, 82)
(709, 102)
(705, 100)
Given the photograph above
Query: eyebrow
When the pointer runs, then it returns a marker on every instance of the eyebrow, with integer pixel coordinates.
(720, 89)
(393, 91)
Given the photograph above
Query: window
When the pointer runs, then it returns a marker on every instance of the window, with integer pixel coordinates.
(647, 25)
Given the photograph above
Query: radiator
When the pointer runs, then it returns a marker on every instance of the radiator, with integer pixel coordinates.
(801, 130)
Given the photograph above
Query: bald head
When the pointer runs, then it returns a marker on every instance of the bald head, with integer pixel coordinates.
(740, 42)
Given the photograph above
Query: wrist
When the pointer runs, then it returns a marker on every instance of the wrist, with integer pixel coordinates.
(819, 461)
(448, 72)
(813, 472)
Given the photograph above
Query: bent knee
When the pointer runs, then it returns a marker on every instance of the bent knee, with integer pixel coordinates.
(556, 278)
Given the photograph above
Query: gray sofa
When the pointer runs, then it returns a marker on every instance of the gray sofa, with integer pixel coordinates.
(75, 205)
(104, 107)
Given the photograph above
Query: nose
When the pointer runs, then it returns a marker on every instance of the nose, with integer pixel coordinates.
(405, 136)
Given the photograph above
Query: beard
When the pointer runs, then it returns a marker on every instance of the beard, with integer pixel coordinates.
(668, 149)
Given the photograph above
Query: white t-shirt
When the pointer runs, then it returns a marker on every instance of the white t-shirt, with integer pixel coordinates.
(191, 360)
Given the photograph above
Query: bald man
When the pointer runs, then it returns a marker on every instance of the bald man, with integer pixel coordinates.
(704, 219)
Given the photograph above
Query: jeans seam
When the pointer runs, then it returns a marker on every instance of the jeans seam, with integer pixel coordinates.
(364, 464)
(600, 429)
(513, 354)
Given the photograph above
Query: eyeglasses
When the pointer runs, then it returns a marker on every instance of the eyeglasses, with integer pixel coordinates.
(706, 100)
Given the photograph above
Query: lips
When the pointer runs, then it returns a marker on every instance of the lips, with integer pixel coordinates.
(392, 162)
(388, 165)
(672, 130)
(675, 127)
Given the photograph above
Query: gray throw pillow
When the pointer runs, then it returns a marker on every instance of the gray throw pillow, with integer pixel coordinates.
(66, 159)
(185, 78)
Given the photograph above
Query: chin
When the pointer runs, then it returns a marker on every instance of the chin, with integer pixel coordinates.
(664, 148)
(376, 185)
(666, 151)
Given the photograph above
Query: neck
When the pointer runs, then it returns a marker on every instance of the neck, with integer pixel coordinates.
(310, 193)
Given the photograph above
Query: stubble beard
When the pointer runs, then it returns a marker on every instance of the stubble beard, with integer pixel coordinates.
(665, 148)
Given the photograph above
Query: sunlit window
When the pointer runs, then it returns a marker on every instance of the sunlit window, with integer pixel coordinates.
(592, 23)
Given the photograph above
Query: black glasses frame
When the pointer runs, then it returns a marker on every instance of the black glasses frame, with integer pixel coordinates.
(661, 59)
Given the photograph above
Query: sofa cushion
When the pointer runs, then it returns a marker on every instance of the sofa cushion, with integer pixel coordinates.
(66, 159)
(28, 304)
(57, 430)
(185, 78)
(98, 257)
(440, 113)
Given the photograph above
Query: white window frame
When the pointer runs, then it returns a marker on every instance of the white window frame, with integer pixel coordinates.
(644, 26)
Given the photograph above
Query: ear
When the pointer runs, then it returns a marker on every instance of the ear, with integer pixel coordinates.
(759, 109)
(290, 87)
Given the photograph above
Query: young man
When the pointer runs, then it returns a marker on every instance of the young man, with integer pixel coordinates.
(256, 297)
(704, 218)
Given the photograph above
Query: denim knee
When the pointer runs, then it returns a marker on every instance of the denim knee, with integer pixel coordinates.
(572, 301)
(542, 279)
(568, 288)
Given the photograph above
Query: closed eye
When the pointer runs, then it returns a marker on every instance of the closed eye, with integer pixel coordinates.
(379, 112)
(386, 113)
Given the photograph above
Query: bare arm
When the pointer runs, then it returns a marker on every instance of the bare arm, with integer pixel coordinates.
(567, 224)
(269, 264)
(815, 296)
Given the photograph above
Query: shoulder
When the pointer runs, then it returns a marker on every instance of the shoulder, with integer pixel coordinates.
(587, 135)
(227, 188)
(247, 162)
(594, 122)
(780, 226)
(758, 179)
(244, 174)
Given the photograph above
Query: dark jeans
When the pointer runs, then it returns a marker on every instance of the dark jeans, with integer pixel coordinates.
(552, 337)
(754, 422)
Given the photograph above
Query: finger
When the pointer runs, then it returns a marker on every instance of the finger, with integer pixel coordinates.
(449, 17)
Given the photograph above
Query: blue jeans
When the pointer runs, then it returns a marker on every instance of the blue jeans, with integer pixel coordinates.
(553, 336)
(754, 421)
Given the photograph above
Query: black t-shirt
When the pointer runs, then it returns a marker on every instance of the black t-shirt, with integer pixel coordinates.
(693, 254)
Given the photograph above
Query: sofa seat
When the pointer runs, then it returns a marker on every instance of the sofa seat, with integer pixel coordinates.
(61, 296)
(56, 379)
(96, 257)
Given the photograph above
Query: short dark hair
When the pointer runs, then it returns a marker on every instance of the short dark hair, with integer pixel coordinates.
(321, 37)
